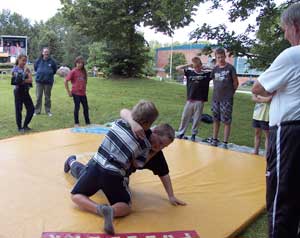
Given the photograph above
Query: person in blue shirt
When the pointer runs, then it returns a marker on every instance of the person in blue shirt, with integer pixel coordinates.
(45, 68)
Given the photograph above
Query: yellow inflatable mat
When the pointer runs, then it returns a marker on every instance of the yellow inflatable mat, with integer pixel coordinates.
(224, 190)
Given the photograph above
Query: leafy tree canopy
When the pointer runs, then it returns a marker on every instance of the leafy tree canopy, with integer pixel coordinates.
(64, 41)
(111, 18)
(115, 23)
(268, 42)
(14, 24)
(177, 59)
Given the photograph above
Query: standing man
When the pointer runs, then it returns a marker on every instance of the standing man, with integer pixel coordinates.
(282, 80)
(45, 68)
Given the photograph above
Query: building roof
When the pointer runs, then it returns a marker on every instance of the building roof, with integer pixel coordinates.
(184, 47)
(11, 36)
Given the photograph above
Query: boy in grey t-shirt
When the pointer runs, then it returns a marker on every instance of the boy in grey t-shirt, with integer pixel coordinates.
(225, 83)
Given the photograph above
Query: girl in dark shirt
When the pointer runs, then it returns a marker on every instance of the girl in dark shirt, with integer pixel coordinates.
(22, 81)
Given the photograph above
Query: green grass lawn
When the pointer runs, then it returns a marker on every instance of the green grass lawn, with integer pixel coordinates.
(107, 97)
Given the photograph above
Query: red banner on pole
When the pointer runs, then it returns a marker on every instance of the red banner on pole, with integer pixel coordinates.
(168, 234)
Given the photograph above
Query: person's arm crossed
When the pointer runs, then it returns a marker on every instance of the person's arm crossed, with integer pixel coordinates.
(261, 99)
(136, 128)
(29, 76)
(258, 89)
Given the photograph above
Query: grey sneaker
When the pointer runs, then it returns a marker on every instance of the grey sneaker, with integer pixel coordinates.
(214, 142)
(50, 114)
(27, 128)
(21, 130)
(224, 145)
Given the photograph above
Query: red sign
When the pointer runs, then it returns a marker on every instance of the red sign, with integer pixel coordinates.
(169, 234)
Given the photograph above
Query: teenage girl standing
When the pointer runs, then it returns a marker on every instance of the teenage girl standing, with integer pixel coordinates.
(78, 78)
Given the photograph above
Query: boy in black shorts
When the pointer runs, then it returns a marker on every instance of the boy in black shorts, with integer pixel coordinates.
(106, 170)
(119, 154)
(160, 137)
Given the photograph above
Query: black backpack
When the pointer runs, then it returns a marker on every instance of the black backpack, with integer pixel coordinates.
(207, 118)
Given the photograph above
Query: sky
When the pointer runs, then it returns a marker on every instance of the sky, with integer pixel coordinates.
(37, 10)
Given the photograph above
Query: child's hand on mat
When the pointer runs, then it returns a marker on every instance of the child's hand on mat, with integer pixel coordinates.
(175, 202)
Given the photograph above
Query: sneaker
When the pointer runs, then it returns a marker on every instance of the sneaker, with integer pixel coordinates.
(68, 162)
(50, 114)
(224, 145)
(26, 128)
(182, 136)
(36, 113)
(214, 142)
(21, 130)
(193, 138)
(76, 125)
(207, 140)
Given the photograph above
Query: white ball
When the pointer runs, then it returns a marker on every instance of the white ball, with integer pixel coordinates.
(63, 71)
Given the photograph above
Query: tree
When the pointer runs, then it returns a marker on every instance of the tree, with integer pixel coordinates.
(150, 66)
(34, 41)
(14, 24)
(64, 41)
(50, 39)
(177, 59)
(269, 42)
(96, 56)
(74, 44)
(115, 23)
